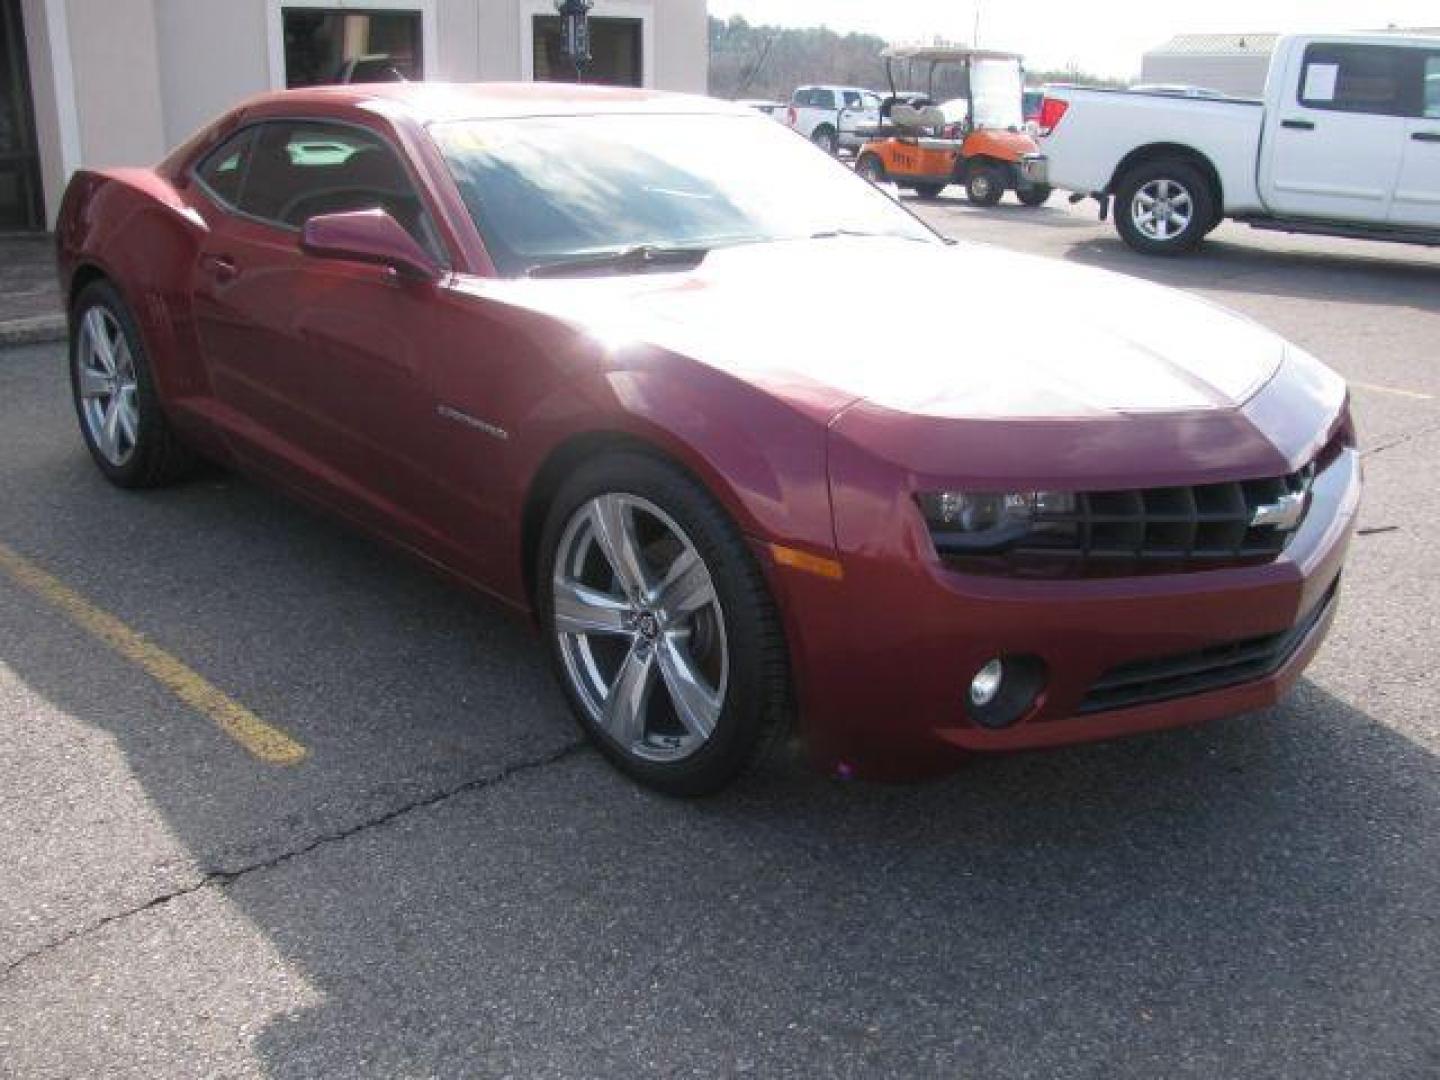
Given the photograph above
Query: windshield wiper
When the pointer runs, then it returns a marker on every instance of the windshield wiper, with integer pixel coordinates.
(637, 259)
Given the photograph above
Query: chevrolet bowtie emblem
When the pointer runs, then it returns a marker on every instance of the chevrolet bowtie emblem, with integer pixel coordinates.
(1284, 513)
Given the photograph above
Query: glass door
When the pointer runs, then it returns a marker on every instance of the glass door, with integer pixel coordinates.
(20, 195)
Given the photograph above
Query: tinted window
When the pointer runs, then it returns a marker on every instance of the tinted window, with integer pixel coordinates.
(823, 99)
(224, 170)
(1356, 78)
(852, 99)
(547, 190)
(299, 170)
(1432, 87)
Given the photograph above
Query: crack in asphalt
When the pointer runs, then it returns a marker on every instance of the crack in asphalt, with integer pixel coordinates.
(223, 878)
(1400, 440)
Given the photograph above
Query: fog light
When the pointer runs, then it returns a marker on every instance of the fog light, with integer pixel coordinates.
(985, 687)
(1005, 690)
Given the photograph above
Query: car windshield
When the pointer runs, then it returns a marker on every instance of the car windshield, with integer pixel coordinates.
(997, 88)
(547, 190)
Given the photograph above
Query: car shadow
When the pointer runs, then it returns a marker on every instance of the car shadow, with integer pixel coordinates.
(1253, 897)
(1371, 273)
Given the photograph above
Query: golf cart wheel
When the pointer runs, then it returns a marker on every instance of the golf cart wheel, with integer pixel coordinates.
(930, 191)
(1163, 207)
(872, 168)
(985, 186)
(1038, 195)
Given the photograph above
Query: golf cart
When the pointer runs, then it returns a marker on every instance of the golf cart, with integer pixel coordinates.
(978, 140)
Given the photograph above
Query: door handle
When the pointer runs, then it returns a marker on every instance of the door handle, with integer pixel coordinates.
(1425, 136)
(222, 268)
(1298, 125)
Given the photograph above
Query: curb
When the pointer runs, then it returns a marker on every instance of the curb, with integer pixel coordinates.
(36, 330)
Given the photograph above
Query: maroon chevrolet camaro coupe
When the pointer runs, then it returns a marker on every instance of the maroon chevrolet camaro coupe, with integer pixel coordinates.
(751, 443)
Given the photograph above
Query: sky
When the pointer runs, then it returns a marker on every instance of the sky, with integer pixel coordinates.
(1102, 36)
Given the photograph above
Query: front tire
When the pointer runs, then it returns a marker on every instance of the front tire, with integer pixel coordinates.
(872, 168)
(930, 191)
(1035, 196)
(659, 624)
(1164, 207)
(115, 398)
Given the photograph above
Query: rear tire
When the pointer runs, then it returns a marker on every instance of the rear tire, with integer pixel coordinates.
(826, 139)
(930, 191)
(1035, 196)
(116, 402)
(1164, 207)
(679, 687)
(984, 186)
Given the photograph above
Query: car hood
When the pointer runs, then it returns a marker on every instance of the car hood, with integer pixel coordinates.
(931, 330)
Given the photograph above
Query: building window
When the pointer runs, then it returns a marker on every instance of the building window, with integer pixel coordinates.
(328, 46)
(616, 46)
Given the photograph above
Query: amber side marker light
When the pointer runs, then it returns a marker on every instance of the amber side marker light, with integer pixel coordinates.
(803, 560)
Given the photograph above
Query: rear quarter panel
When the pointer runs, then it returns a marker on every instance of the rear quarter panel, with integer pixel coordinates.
(133, 227)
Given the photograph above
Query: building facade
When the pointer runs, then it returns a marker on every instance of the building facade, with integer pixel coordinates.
(98, 83)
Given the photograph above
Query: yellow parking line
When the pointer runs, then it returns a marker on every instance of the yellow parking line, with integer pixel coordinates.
(267, 743)
(1393, 390)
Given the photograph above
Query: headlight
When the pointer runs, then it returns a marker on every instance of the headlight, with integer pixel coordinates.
(987, 522)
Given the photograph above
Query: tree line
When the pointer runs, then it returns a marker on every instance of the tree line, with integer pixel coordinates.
(749, 61)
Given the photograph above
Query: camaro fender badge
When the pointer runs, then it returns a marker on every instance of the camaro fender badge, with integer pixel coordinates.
(1284, 513)
(472, 422)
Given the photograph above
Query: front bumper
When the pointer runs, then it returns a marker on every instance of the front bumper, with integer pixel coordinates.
(883, 658)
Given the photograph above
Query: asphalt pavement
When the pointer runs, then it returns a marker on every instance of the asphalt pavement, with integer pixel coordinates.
(450, 884)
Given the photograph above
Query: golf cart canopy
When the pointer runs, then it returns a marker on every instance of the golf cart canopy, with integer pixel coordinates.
(943, 54)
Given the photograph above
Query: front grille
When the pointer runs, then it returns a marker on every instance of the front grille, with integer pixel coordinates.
(1156, 530)
(1144, 682)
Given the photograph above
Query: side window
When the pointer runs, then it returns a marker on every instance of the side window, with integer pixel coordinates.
(301, 169)
(1356, 79)
(852, 99)
(1431, 105)
(824, 99)
(801, 97)
(223, 170)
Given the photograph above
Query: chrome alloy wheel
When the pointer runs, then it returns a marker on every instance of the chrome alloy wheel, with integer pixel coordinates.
(107, 386)
(640, 628)
(1162, 209)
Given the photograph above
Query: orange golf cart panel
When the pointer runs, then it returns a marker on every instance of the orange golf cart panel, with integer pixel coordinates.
(1000, 145)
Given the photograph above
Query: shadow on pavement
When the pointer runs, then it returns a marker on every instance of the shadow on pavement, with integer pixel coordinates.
(1366, 277)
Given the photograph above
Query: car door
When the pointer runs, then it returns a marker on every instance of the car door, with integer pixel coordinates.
(1417, 192)
(316, 364)
(1333, 144)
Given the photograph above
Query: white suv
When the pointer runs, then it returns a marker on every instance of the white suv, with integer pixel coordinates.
(829, 116)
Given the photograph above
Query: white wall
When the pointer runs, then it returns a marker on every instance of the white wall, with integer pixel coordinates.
(117, 86)
(212, 55)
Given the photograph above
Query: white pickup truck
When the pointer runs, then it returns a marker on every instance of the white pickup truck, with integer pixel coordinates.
(1346, 143)
(831, 116)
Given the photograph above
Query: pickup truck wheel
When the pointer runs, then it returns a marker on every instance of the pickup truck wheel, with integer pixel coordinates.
(826, 138)
(985, 185)
(1163, 207)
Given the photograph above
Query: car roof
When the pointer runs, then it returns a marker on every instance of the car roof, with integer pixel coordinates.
(440, 102)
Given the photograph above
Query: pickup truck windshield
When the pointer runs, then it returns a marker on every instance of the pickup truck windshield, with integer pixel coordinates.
(549, 190)
(997, 88)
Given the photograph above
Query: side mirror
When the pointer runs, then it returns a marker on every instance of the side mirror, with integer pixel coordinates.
(368, 236)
